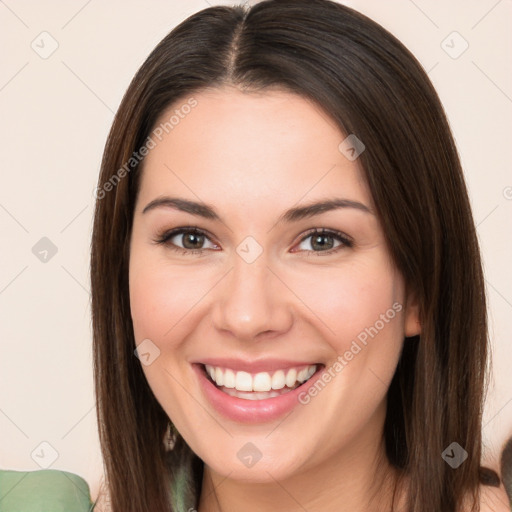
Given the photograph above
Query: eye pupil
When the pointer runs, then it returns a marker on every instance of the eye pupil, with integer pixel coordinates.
(316, 240)
(194, 237)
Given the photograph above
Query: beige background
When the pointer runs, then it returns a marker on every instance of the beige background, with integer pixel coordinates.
(55, 115)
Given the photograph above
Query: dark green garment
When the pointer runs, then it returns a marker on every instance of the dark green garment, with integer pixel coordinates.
(45, 490)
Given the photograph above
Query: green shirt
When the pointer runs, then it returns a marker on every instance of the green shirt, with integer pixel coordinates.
(45, 490)
(52, 490)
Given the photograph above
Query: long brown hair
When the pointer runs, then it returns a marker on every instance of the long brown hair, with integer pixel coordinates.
(373, 87)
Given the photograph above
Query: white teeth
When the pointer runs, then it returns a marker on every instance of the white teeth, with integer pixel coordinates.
(260, 382)
(302, 375)
(229, 379)
(219, 377)
(291, 378)
(243, 381)
(278, 380)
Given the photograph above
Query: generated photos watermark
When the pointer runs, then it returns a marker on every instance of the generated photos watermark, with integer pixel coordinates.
(153, 139)
(342, 360)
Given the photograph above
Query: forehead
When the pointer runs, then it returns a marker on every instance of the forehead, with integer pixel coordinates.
(273, 145)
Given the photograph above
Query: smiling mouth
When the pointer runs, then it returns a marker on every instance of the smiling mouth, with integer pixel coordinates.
(262, 385)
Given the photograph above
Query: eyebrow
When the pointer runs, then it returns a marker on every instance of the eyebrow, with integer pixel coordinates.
(291, 215)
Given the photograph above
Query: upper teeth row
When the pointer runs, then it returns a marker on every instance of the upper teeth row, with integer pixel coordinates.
(243, 381)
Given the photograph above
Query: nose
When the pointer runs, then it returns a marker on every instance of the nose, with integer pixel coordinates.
(252, 302)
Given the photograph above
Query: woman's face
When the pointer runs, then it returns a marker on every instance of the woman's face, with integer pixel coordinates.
(266, 295)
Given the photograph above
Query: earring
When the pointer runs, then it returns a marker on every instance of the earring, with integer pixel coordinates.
(170, 437)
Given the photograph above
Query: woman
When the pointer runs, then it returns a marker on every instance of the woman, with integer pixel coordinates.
(249, 140)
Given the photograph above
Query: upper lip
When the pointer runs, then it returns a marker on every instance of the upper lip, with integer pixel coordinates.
(260, 365)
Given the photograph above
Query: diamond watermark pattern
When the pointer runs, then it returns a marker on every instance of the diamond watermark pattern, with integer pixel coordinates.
(249, 455)
(351, 147)
(454, 45)
(249, 249)
(44, 45)
(454, 455)
(44, 454)
(44, 249)
(147, 352)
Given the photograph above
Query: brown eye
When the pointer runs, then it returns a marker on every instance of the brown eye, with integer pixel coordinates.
(192, 240)
(323, 241)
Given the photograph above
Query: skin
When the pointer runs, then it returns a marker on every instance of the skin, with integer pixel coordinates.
(252, 156)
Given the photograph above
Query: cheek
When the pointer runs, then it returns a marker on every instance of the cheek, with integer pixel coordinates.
(164, 298)
(349, 301)
(147, 292)
(342, 302)
(162, 309)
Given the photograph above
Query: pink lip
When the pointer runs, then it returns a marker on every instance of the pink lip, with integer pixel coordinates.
(262, 365)
(252, 411)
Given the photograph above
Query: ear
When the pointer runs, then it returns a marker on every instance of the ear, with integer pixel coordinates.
(412, 325)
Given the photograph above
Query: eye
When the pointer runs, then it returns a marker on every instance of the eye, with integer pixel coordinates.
(323, 239)
(192, 240)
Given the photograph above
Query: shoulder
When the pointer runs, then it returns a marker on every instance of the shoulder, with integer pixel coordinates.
(45, 489)
(493, 499)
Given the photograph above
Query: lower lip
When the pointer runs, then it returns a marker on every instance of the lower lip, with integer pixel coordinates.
(252, 411)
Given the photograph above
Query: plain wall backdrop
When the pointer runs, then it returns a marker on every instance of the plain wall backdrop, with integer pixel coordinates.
(65, 66)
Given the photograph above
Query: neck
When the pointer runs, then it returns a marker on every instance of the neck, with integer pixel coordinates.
(357, 478)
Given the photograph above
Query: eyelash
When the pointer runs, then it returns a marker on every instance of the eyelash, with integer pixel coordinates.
(163, 239)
